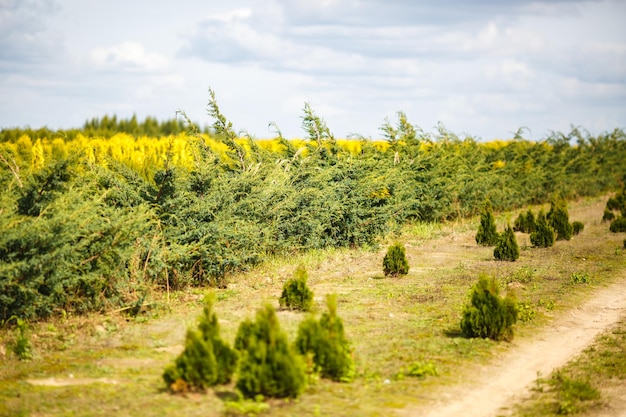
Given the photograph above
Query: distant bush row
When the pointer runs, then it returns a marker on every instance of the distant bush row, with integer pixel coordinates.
(92, 228)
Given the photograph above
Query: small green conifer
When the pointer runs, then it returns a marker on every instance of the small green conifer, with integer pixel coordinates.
(488, 315)
(268, 365)
(618, 225)
(296, 294)
(395, 262)
(558, 218)
(207, 360)
(543, 236)
(487, 234)
(525, 222)
(507, 248)
(577, 227)
(326, 341)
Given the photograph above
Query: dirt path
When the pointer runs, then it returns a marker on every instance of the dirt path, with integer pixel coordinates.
(510, 377)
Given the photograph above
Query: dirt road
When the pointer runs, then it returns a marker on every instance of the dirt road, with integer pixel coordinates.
(509, 378)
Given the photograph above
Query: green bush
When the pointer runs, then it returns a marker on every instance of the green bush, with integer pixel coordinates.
(618, 225)
(558, 218)
(268, 366)
(577, 227)
(207, 360)
(296, 294)
(544, 236)
(326, 342)
(525, 222)
(507, 248)
(487, 234)
(395, 262)
(608, 216)
(488, 315)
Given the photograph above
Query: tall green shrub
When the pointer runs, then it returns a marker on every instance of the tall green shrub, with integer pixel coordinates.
(558, 218)
(207, 360)
(507, 248)
(326, 342)
(395, 262)
(268, 365)
(543, 236)
(487, 234)
(296, 294)
(488, 315)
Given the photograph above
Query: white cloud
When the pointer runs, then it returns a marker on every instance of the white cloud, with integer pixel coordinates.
(130, 56)
(483, 67)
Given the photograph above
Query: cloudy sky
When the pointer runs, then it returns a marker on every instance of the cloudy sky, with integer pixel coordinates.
(482, 68)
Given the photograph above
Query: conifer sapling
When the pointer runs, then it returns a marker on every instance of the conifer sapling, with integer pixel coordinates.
(296, 294)
(487, 234)
(488, 315)
(268, 366)
(543, 236)
(326, 342)
(507, 248)
(207, 360)
(395, 262)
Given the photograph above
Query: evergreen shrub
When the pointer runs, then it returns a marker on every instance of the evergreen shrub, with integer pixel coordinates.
(207, 360)
(296, 294)
(558, 218)
(525, 222)
(487, 234)
(577, 227)
(507, 248)
(618, 225)
(326, 342)
(608, 215)
(268, 366)
(488, 315)
(543, 236)
(395, 262)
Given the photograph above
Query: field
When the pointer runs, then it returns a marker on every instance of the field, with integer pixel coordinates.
(110, 243)
(111, 364)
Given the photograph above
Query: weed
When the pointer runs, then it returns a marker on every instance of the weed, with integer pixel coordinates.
(526, 312)
(524, 275)
(548, 305)
(245, 407)
(21, 347)
(572, 393)
(580, 278)
(422, 369)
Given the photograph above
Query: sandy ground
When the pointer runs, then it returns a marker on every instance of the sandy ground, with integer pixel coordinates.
(510, 378)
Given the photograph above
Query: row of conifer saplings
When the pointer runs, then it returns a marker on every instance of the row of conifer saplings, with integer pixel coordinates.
(267, 365)
(544, 229)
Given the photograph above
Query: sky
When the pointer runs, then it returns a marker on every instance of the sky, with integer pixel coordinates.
(482, 68)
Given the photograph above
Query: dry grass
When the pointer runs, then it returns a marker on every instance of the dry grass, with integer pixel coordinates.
(392, 322)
